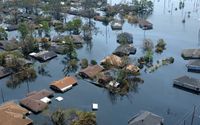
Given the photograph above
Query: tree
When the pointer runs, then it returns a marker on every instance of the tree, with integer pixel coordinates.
(58, 117)
(74, 26)
(29, 45)
(85, 118)
(23, 29)
(45, 27)
(71, 53)
(3, 34)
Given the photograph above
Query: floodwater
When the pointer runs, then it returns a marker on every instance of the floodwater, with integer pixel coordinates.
(156, 94)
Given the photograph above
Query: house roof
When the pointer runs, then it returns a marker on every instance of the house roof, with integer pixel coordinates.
(146, 118)
(33, 102)
(191, 53)
(9, 44)
(132, 68)
(144, 22)
(194, 63)
(125, 49)
(13, 114)
(113, 60)
(92, 71)
(67, 81)
(44, 55)
(186, 80)
(77, 39)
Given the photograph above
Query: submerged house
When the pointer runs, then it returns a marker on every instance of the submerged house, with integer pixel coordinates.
(132, 68)
(145, 25)
(44, 55)
(125, 38)
(191, 54)
(194, 66)
(146, 118)
(4, 72)
(13, 114)
(63, 84)
(11, 28)
(116, 25)
(9, 45)
(107, 76)
(91, 71)
(188, 83)
(77, 39)
(112, 60)
(125, 50)
(37, 101)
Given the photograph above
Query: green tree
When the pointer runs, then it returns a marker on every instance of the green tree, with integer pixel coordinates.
(23, 29)
(71, 52)
(45, 28)
(29, 45)
(3, 34)
(58, 117)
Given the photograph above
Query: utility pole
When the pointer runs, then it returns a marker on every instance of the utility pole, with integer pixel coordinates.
(193, 114)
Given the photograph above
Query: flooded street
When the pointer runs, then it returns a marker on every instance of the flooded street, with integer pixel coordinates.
(156, 94)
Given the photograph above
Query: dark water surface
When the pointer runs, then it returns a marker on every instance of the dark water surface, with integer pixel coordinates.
(156, 94)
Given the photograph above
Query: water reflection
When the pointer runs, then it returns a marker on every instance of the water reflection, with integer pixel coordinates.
(16, 79)
(42, 70)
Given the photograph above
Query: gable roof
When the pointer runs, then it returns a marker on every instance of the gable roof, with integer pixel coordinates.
(13, 114)
(91, 71)
(146, 118)
(33, 102)
(64, 83)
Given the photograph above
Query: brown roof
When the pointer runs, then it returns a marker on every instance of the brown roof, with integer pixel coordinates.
(113, 60)
(91, 71)
(67, 81)
(13, 114)
(33, 103)
(41, 94)
(132, 68)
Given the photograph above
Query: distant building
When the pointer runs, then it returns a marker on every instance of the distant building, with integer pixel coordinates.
(146, 118)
